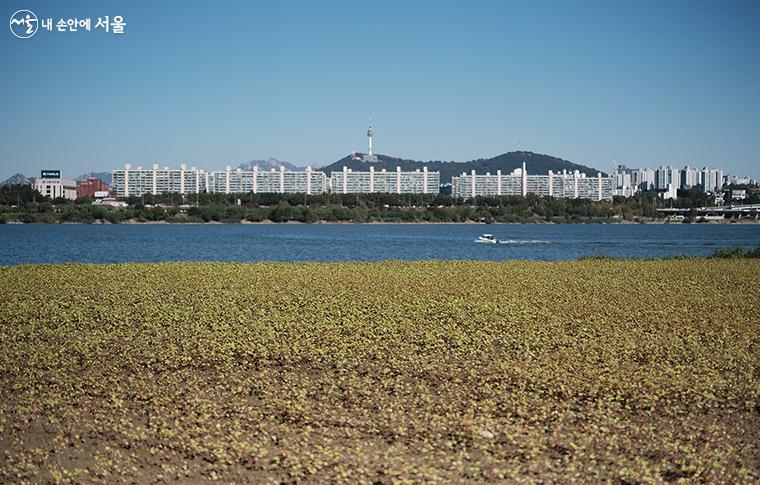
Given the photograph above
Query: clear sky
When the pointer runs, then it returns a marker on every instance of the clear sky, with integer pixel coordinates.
(217, 83)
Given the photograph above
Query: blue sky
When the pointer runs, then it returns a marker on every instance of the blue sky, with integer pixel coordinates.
(217, 83)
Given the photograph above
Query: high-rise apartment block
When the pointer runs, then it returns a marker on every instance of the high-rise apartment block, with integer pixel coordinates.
(373, 181)
(574, 185)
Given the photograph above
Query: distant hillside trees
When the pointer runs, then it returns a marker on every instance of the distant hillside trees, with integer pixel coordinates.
(536, 163)
(19, 194)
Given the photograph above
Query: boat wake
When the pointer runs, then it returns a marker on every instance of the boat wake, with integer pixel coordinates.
(526, 241)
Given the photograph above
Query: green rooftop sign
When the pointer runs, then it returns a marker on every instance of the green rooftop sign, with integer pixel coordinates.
(50, 174)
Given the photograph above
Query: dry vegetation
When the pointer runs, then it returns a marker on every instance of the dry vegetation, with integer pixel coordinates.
(622, 371)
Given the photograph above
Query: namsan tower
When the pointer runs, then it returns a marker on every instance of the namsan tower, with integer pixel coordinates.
(369, 135)
(369, 157)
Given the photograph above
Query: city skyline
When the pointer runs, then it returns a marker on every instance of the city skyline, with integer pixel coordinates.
(643, 85)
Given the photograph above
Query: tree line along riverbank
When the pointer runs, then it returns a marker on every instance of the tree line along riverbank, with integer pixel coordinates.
(22, 204)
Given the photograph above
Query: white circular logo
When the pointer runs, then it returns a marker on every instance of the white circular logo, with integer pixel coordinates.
(24, 24)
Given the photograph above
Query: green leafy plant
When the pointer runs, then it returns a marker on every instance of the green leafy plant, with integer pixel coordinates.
(589, 371)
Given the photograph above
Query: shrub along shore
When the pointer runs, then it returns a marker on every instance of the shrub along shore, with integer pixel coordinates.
(22, 204)
(597, 370)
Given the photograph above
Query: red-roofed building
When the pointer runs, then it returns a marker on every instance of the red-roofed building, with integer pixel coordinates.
(88, 187)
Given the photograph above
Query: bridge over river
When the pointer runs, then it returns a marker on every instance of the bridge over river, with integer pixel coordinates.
(749, 211)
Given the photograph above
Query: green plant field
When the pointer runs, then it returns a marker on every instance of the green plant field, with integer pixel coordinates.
(595, 370)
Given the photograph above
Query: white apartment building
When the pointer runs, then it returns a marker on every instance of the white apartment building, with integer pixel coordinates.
(139, 181)
(568, 185)
(643, 179)
(711, 179)
(665, 176)
(623, 179)
(373, 181)
(666, 179)
(274, 181)
(689, 177)
(741, 180)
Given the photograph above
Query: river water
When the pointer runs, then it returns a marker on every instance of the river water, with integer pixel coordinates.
(60, 243)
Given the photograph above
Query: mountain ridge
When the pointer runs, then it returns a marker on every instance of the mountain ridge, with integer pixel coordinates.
(105, 177)
(269, 164)
(536, 163)
(16, 179)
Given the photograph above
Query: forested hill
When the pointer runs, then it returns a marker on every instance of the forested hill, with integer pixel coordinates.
(536, 163)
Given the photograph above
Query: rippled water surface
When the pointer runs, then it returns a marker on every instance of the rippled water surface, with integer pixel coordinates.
(58, 243)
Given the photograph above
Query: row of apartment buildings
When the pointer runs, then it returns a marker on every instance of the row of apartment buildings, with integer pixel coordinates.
(140, 181)
(574, 185)
(667, 179)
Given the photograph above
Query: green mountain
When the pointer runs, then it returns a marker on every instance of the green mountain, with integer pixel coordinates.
(536, 163)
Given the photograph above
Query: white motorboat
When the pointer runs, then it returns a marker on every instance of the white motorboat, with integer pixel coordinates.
(486, 238)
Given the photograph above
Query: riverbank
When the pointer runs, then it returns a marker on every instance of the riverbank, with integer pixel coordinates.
(17, 204)
(635, 371)
(267, 221)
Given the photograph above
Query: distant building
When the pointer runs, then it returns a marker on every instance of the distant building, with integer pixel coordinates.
(260, 181)
(382, 181)
(741, 180)
(623, 180)
(665, 176)
(666, 179)
(671, 192)
(137, 182)
(644, 179)
(626, 181)
(119, 204)
(689, 178)
(50, 184)
(562, 185)
(625, 191)
(89, 186)
(711, 179)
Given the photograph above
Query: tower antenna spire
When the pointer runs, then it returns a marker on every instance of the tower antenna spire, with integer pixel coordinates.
(369, 136)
